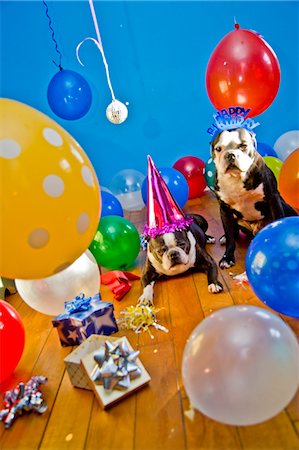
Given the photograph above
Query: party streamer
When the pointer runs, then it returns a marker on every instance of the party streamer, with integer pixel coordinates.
(116, 112)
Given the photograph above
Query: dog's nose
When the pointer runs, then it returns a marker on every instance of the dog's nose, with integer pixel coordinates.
(174, 255)
(230, 157)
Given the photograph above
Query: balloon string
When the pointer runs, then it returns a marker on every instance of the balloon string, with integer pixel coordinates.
(99, 44)
(53, 37)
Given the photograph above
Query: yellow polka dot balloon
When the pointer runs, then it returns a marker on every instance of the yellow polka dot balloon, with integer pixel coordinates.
(50, 197)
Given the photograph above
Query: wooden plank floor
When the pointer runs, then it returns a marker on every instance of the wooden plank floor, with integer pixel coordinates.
(153, 418)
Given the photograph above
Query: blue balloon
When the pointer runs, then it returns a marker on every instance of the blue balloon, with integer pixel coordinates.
(272, 265)
(110, 205)
(176, 183)
(266, 150)
(69, 95)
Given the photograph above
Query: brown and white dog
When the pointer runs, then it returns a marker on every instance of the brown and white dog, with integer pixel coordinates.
(245, 187)
(175, 253)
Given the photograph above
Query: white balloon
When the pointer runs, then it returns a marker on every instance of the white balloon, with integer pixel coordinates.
(132, 201)
(126, 186)
(286, 144)
(48, 295)
(104, 189)
(241, 365)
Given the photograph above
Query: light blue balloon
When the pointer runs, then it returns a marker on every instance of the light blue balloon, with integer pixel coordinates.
(286, 144)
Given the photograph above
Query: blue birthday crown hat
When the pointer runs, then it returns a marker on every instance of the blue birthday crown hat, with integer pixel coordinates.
(230, 119)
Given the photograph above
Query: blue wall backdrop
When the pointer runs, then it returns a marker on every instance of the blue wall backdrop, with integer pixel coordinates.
(157, 54)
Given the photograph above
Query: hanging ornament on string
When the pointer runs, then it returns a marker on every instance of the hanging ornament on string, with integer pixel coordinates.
(116, 112)
(69, 95)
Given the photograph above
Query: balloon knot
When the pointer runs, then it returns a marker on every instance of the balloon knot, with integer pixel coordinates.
(237, 26)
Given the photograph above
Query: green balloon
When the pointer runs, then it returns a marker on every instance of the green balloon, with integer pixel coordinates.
(275, 164)
(210, 173)
(116, 243)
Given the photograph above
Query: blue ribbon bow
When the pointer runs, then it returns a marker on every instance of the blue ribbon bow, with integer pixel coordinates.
(80, 303)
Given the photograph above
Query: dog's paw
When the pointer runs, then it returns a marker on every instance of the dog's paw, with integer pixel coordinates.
(210, 239)
(144, 300)
(222, 240)
(226, 262)
(215, 288)
(147, 296)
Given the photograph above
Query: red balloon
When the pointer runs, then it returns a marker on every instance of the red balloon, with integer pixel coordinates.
(12, 339)
(243, 70)
(193, 170)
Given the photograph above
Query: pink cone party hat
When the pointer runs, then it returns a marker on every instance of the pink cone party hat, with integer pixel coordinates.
(163, 213)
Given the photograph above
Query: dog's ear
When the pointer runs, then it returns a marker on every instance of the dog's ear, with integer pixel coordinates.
(253, 139)
(144, 240)
(212, 153)
(251, 134)
(212, 145)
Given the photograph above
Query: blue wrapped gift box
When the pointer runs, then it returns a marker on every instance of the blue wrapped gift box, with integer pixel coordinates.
(84, 317)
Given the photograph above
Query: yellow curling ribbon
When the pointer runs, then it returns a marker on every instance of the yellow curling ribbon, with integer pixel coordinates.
(140, 318)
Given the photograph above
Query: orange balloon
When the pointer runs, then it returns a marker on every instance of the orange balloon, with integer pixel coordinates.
(243, 70)
(288, 183)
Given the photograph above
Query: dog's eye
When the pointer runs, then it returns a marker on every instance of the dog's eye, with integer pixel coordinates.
(243, 146)
(218, 149)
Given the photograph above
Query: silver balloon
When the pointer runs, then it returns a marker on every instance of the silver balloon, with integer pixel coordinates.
(48, 295)
(116, 112)
(241, 365)
(286, 144)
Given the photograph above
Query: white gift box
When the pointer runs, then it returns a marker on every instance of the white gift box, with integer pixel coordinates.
(105, 397)
(73, 364)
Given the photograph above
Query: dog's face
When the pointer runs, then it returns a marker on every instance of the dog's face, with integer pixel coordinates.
(172, 253)
(234, 151)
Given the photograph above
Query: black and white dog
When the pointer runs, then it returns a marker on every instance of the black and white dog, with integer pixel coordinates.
(246, 188)
(174, 253)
